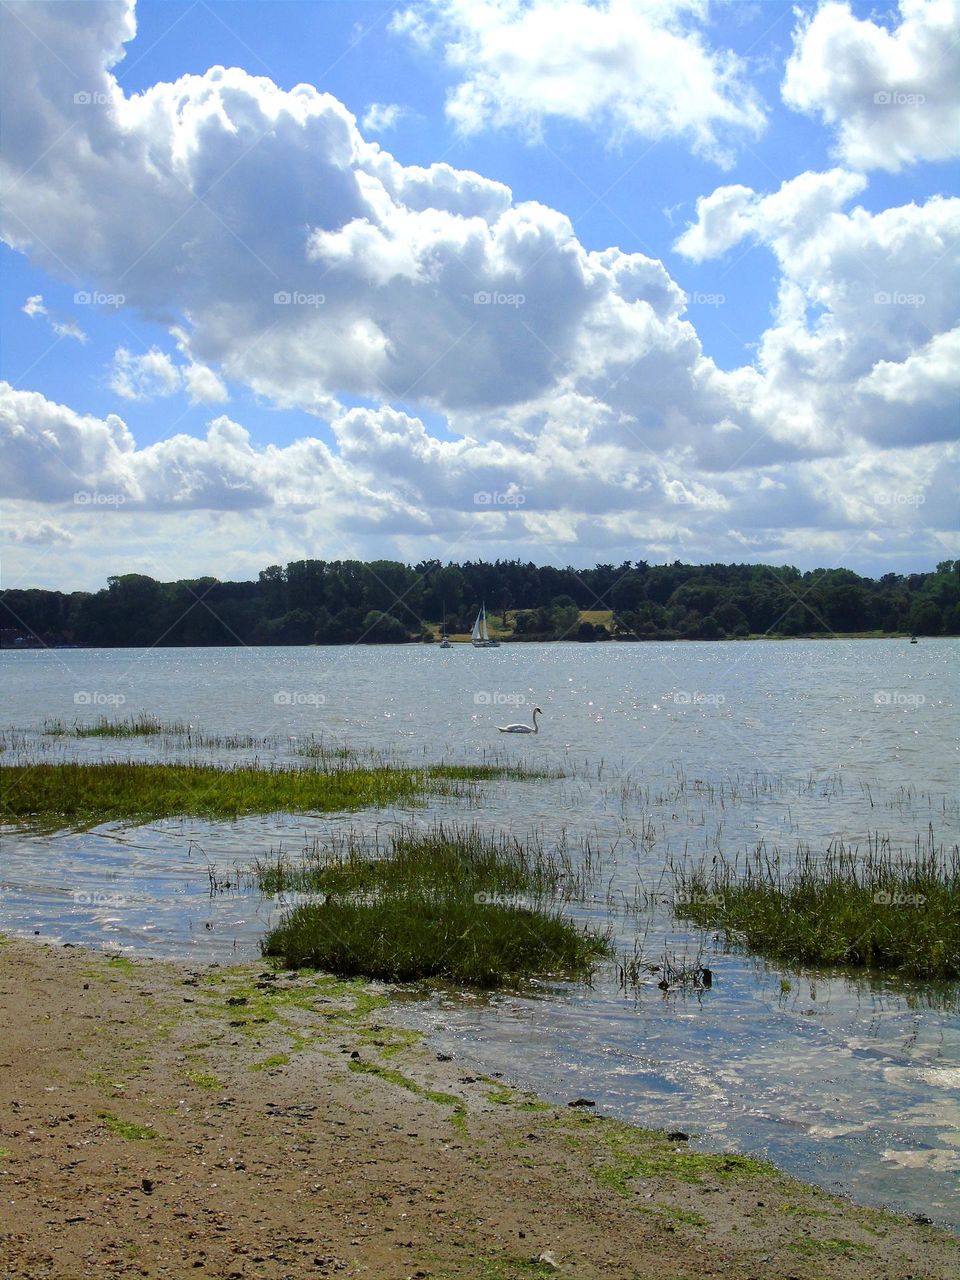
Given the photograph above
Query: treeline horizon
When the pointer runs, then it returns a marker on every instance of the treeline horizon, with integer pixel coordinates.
(386, 601)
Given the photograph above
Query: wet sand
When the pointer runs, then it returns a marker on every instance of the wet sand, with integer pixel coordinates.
(167, 1121)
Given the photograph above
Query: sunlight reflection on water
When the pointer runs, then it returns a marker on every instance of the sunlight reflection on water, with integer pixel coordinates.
(667, 749)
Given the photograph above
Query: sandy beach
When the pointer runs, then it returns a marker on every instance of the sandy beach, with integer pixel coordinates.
(165, 1121)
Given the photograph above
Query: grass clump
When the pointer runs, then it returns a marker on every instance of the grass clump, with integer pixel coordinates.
(447, 858)
(49, 796)
(138, 726)
(449, 903)
(882, 911)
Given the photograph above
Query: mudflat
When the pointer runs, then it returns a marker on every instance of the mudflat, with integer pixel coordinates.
(167, 1120)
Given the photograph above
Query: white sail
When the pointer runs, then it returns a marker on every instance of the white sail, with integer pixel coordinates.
(480, 635)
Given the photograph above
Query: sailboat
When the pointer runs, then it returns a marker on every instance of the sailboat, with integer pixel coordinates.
(480, 636)
(444, 642)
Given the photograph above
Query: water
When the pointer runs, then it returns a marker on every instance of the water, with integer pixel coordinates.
(666, 748)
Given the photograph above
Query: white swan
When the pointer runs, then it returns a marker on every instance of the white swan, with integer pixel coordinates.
(522, 728)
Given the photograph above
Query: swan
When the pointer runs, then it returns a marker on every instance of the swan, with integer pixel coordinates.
(522, 728)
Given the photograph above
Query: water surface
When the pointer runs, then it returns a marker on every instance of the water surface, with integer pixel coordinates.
(667, 749)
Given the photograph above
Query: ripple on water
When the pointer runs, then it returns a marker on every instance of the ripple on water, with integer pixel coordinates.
(846, 1083)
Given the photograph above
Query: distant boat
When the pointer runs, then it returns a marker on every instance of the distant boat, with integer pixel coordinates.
(480, 636)
(914, 640)
(444, 642)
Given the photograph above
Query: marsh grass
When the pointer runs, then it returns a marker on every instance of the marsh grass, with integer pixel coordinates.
(449, 904)
(138, 726)
(51, 796)
(143, 725)
(445, 858)
(881, 910)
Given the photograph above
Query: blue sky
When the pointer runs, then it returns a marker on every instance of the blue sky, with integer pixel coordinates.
(732, 228)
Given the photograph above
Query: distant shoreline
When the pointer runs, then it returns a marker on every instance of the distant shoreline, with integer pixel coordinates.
(465, 642)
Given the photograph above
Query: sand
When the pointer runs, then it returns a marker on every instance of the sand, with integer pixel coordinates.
(165, 1121)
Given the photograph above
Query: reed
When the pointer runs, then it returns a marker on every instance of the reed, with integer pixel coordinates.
(138, 726)
(450, 903)
(445, 857)
(877, 908)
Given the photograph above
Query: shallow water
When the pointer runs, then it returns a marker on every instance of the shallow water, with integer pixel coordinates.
(666, 748)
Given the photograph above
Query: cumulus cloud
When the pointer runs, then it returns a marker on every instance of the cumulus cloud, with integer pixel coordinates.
(381, 117)
(203, 385)
(43, 533)
(143, 377)
(891, 94)
(34, 306)
(289, 255)
(49, 454)
(866, 306)
(626, 67)
(792, 214)
(392, 486)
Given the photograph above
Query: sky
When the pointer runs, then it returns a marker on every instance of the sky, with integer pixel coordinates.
(561, 281)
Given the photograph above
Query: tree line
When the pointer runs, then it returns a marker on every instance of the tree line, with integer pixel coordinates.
(384, 601)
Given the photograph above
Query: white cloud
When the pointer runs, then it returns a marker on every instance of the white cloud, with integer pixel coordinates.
(626, 67)
(381, 117)
(392, 487)
(63, 327)
(203, 385)
(864, 331)
(143, 377)
(42, 533)
(317, 269)
(891, 94)
(791, 215)
(68, 329)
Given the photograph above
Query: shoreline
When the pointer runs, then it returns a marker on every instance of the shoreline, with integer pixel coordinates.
(163, 1119)
(464, 641)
